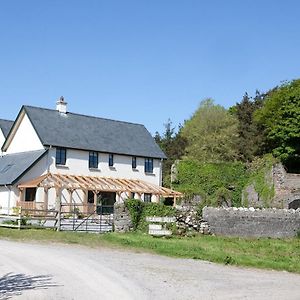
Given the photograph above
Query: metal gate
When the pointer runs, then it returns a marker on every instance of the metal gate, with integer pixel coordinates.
(81, 218)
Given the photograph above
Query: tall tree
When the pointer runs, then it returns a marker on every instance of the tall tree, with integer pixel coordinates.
(280, 118)
(211, 133)
(250, 136)
(173, 144)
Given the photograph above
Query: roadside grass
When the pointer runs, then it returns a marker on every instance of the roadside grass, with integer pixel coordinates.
(277, 254)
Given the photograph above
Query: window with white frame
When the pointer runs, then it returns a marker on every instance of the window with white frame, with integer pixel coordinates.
(93, 160)
(148, 165)
(147, 197)
(61, 156)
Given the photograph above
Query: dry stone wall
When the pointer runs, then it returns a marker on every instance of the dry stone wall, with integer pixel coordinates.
(250, 222)
(122, 219)
(287, 187)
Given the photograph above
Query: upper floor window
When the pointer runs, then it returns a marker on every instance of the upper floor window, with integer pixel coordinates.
(133, 162)
(111, 160)
(61, 156)
(93, 160)
(147, 197)
(148, 165)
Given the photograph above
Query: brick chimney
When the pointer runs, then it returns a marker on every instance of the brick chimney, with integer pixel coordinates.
(61, 105)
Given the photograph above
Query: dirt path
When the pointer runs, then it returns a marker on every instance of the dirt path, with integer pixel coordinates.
(55, 271)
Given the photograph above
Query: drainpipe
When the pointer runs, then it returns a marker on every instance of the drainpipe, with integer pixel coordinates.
(9, 196)
(48, 159)
(160, 175)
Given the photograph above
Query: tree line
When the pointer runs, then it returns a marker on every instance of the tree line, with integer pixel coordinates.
(266, 123)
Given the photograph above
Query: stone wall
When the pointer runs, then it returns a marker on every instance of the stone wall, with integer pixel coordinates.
(286, 185)
(122, 219)
(250, 222)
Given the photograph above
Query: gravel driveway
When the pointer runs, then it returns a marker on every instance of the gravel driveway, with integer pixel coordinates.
(56, 271)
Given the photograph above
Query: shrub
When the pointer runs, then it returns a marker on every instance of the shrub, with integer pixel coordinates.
(140, 210)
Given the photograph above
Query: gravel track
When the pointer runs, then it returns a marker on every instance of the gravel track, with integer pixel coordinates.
(57, 271)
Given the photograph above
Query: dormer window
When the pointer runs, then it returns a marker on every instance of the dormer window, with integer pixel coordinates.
(111, 160)
(93, 160)
(61, 156)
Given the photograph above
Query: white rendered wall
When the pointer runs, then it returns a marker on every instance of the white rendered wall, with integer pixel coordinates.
(8, 199)
(25, 138)
(77, 163)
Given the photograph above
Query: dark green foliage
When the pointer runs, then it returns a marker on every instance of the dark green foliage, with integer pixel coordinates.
(259, 174)
(250, 136)
(280, 118)
(140, 210)
(135, 208)
(223, 183)
(173, 145)
(217, 182)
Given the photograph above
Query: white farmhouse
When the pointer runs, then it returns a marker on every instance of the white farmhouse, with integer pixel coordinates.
(54, 156)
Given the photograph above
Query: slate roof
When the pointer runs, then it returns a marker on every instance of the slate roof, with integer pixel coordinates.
(13, 166)
(6, 125)
(91, 133)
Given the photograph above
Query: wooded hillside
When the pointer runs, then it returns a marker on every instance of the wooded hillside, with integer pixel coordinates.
(221, 150)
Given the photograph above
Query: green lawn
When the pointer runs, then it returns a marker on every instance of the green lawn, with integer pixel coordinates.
(278, 254)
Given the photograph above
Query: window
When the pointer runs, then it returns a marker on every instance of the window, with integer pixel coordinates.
(30, 194)
(147, 197)
(133, 162)
(93, 160)
(61, 155)
(148, 165)
(111, 160)
(90, 198)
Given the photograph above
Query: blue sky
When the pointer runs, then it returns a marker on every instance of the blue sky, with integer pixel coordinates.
(143, 61)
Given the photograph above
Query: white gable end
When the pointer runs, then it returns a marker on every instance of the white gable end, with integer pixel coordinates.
(25, 138)
(2, 139)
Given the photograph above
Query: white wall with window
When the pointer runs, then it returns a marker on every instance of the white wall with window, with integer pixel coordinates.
(79, 162)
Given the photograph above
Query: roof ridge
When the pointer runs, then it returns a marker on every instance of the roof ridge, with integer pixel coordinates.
(83, 115)
(6, 120)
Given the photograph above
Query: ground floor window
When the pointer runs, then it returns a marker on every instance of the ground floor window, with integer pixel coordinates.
(90, 197)
(147, 197)
(30, 194)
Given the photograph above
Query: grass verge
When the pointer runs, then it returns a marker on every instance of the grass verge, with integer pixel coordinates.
(277, 254)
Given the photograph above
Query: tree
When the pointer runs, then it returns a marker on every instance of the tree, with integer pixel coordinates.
(250, 140)
(211, 134)
(173, 144)
(280, 118)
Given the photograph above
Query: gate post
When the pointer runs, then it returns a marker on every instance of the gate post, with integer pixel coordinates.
(58, 218)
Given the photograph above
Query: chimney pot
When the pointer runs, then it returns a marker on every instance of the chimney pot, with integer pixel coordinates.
(61, 105)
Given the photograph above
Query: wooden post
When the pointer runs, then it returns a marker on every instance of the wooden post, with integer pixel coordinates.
(175, 200)
(21, 197)
(58, 207)
(95, 199)
(70, 200)
(45, 200)
(19, 219)
(85, 202)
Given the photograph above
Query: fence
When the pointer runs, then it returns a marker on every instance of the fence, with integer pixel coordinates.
(74, 217)
(84, 218)
(30, 218)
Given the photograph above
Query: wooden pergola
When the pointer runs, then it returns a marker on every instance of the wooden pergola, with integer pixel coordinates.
(96, 184)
